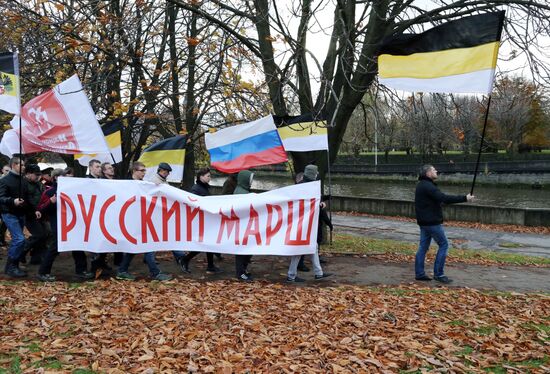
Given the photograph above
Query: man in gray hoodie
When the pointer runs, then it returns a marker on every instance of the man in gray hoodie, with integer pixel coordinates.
(310, 174)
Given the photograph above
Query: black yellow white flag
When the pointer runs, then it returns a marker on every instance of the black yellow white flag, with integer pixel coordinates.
(171, 151)
(112, 132)
(456, 57)
(302, 133)
(10, 100)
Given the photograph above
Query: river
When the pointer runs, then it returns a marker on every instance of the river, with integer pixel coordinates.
(485, 195)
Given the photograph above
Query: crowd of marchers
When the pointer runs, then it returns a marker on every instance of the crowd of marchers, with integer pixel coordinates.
(28, 199)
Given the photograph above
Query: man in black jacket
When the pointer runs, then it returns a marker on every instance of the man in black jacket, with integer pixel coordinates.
(14, 194)
(36, 243)
(429, 216)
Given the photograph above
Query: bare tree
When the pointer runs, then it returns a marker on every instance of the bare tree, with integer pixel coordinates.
(356, 33)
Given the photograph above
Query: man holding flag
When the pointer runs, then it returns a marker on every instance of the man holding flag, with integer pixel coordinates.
(459, 56)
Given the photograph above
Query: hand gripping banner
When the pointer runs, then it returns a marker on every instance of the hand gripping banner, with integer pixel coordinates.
(136, 217)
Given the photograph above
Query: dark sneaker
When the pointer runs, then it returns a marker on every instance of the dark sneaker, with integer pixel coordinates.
(162, 277)
(303, 268)
(423, 278)
(15, 272)
(85, 275)
(295, 280)
(214, 270)
(125, 276)
(324, 275)
(444, 279)
(184, 265)
(245, 277)
(46, 278)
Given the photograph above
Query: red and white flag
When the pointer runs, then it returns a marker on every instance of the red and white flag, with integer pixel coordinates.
(60, 120)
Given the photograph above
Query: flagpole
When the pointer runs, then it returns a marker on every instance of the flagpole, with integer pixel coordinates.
(329, 194)
(329, 174)
(481, 144)
(20, 155)
(17, 74)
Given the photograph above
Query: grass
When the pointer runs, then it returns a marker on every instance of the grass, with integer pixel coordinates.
(457, 322)
(350, 244)
(486, 330)
(510, 245)
(14, 364)
(528, 364)
(48, 363)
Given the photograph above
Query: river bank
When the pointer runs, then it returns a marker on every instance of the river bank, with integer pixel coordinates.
(514, 181)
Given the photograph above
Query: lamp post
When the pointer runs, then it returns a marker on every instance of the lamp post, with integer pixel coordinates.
(375, 142)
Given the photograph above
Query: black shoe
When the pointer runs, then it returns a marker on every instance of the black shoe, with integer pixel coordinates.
(15, 272)
(295, 280)
(12, 269)
(303, 268)
(423, 278)
(184, 265)
(214, 270)
(444, 279)
(85, 275)
(324, 275)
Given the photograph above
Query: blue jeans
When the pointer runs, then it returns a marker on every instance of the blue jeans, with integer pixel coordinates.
(426, 234)
(149, 258)
(178, 255)
(15, 225)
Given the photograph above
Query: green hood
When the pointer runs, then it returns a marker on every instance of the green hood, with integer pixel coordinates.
(244, 181)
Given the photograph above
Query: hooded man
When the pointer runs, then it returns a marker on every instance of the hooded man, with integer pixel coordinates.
(244, 182)
(311, 172)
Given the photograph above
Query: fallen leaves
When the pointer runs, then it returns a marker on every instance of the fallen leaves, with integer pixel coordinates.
(227, 327)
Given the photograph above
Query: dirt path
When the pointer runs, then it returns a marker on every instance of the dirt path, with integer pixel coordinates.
(356, 270)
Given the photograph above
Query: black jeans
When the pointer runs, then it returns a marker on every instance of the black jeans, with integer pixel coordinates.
(79, 257)
(37, 242)
(209, 258)
(241, 263)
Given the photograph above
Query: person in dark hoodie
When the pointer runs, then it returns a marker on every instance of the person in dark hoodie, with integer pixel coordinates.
(311, 172)
(201, 188)
(244, 182)
(429, 216)
(48, 206)
(36, 243)
(14, 194)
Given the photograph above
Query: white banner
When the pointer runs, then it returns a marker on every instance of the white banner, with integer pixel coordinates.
(100, 215)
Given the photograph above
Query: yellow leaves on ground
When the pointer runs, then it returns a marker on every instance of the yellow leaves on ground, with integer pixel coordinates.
(229, 327)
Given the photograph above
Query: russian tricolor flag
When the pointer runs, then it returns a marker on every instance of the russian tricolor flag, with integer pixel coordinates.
(245, 146)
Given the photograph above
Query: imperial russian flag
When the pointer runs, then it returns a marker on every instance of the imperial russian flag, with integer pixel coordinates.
(459, 56)
(245, 146)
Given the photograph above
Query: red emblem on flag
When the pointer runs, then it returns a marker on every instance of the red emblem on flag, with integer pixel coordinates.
(47, 124)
